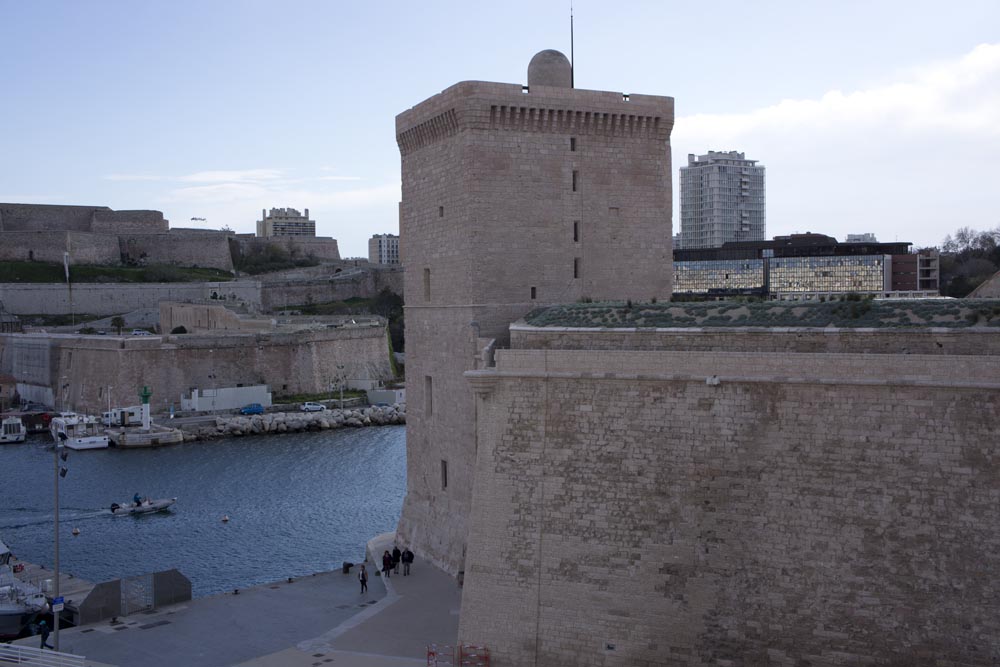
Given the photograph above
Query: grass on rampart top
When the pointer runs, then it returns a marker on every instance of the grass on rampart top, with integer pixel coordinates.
(53, 272)
(854, 313)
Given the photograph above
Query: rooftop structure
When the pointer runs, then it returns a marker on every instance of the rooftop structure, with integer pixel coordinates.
(383, 249)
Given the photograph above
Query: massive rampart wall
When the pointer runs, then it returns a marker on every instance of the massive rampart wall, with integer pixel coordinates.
(276, 295)
(112, 299)
(44, 217)
(129, 222)
(83, 367)
(209, 250)
(696, 508)
(323, 249)
(49, 246)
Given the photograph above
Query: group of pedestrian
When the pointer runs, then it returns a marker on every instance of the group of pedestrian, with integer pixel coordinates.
(390, 564)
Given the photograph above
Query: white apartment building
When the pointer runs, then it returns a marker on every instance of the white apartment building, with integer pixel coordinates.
(383, 249)
(285, 222)
(722, 199)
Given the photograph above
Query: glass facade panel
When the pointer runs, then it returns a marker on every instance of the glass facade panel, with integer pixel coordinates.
(860, 273)
(739, 276)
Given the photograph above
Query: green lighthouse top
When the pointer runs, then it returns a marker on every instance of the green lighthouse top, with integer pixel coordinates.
(145, 394)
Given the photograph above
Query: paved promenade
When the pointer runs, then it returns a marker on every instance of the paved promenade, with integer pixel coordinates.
(314, 621)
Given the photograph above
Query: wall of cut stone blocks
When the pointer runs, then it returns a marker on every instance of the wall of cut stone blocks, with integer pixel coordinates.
(81, 367)
(116, 298)
(49, 246)
(278, 295)
(321, 248)
(640, 521)
(209, 250)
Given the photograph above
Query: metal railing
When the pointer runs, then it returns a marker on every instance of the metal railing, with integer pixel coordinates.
(12, 654)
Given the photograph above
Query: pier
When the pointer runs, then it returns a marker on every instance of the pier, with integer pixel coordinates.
(73, 589)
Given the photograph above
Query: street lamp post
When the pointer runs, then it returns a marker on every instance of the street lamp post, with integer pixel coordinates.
(58, 472)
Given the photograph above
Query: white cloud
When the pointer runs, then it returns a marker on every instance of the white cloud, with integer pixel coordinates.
(900, 159)
(237, 176)
(131, 177)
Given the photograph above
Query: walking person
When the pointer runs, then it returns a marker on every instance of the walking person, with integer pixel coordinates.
(43, 630)
(386, 564)
(407, 558)
(395, 559)
(363, 578)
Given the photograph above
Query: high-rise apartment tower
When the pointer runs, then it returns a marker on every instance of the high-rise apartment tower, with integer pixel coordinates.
(722, 199)
(514, 197)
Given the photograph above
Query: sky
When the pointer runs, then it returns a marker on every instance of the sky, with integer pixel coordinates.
(874, 116)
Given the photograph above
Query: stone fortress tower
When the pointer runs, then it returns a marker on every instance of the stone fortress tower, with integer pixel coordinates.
(514, 197)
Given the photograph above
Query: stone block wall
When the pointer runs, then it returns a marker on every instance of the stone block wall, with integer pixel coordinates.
(49, 246)
(116, 298)
(46, 217)
(80, 368)
(281, 294)
(322, 248)
(820, 509)
(129, 222)
(205, 249)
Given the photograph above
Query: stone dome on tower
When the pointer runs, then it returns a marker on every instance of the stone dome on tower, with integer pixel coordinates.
(550, 68)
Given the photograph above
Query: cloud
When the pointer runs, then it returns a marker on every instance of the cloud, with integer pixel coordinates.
(131, 177)
(237, 176)
(894, 158)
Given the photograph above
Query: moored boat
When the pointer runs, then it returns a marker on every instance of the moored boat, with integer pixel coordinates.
(12, 429)
(20, 602)
(78, 431)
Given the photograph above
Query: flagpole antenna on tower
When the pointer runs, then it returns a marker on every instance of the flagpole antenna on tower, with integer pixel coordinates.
(572, 80)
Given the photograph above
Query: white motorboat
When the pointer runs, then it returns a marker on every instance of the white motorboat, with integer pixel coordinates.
(78, 431)
(20, 602)
(12, 429)
(145, 506)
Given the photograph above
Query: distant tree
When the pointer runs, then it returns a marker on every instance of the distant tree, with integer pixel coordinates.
(968, 257)
(118, 322)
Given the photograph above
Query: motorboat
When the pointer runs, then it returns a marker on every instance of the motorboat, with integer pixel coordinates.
(78, 431)
(145, 506)
(12, 429)
(20, 602)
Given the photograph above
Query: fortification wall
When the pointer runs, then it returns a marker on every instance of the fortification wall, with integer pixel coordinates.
(821, 509)
(933, 341)
(207, 317)
(82, 367)
(129, 222)
(45, 217)
(116, 298)
(210, 250)
(49, 246)
(277, 295)
(322, 248)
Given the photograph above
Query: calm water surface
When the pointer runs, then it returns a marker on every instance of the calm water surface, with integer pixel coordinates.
(298, 503)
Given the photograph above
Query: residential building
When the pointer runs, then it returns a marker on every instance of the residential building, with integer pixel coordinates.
(383, 249)
(285, 222)
(722, 200)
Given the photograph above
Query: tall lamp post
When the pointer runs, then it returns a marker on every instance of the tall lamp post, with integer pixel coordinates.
(340, 381)
(59, 472)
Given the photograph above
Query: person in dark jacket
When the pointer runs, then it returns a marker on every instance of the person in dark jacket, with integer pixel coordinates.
(386, 564)
(363, 578)
(395, 559)
(407, 558)
(43, 630)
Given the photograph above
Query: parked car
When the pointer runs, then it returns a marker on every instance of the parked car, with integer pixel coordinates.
(312, 407)
(140, 332)
(252, 409)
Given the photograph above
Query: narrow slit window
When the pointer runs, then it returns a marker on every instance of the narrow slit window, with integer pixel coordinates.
(576, 231)
(576, 267)
(576, 178)
(428, 395)
(534, 293)
(572, 143)
(427, 284)
(440, 211)
(444, 474)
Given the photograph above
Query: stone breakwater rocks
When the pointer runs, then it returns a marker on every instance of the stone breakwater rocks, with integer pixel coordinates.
(293, 422)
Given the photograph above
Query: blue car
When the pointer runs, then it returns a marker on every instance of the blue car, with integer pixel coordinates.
(252, 409)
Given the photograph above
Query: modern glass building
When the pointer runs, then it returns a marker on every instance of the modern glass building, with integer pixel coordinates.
(722, 200)
(802, 265)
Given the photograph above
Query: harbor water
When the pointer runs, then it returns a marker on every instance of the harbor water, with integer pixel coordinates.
(297, 504)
